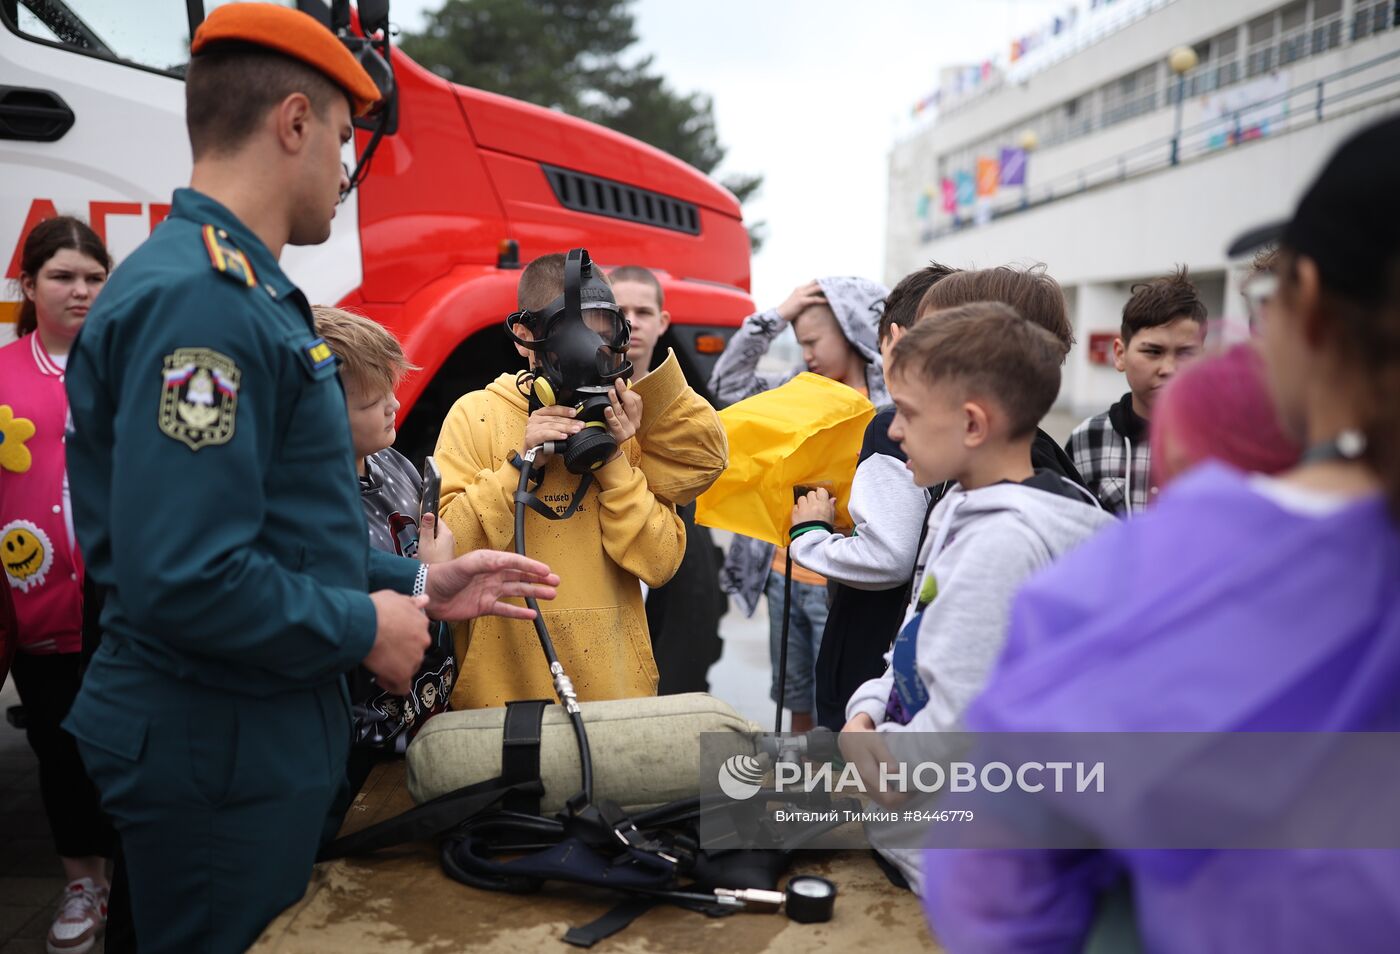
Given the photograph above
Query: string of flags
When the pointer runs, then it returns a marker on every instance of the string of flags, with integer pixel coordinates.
(967, 193)
(1053, 28)
(956, 81)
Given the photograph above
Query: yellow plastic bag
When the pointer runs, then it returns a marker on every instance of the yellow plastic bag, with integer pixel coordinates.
(808, 431)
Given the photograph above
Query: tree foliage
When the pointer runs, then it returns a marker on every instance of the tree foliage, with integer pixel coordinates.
(568, 55)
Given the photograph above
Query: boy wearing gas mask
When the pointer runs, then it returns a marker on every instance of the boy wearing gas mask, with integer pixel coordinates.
(616, 462)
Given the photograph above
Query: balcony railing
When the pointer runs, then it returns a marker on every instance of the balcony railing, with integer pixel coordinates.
(1366, 84)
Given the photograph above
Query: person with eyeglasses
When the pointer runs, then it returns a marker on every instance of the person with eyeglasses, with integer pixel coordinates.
(1244, 636)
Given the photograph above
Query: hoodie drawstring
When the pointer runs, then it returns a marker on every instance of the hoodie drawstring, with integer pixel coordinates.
(945, 525)
(939, 539)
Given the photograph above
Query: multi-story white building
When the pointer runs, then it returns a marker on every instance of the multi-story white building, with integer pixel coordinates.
(1113, 193)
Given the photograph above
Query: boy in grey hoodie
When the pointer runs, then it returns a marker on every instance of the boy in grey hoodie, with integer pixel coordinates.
(869, 571)
(969, 389)
(835, 322)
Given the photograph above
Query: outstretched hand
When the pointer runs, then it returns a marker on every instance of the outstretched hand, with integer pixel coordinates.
(479, 583)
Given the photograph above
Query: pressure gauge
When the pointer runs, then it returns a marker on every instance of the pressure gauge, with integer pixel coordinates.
(810, 899)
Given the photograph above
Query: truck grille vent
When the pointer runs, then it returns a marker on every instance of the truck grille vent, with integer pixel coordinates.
(598, 196)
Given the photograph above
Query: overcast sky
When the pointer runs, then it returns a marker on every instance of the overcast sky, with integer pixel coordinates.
(813, 95)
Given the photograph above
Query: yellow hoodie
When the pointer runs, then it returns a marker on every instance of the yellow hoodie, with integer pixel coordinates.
(626, 529)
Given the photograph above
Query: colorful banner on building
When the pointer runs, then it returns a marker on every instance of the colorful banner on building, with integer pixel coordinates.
(987, 172)
(950, 196)
(1013, 167)
(967, 188)
(1246, 111)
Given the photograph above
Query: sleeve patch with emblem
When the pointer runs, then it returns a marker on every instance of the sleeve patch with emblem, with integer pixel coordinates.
(199, 397)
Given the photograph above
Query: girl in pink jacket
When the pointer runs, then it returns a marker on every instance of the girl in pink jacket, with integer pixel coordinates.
(63, 266)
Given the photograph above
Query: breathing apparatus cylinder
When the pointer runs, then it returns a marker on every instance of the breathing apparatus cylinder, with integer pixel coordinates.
(580, 343)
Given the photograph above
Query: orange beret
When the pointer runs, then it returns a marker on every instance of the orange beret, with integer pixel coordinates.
(298, 35)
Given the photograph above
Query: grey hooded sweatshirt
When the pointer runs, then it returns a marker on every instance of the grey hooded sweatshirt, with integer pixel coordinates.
(980, 547)
(858, 304)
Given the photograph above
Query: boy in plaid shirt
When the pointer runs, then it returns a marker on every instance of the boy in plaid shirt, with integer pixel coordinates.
(1163, 328)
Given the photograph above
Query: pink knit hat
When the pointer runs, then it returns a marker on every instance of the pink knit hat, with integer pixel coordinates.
(1218, 408)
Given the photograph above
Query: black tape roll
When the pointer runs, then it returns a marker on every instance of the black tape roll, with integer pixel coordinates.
(810, 900)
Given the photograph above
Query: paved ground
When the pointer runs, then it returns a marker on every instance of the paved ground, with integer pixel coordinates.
(31, 880)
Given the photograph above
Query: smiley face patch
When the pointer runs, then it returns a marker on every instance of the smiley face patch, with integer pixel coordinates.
(26, 553)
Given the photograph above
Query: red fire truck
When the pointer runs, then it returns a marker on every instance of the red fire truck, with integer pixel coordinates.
(463, 187)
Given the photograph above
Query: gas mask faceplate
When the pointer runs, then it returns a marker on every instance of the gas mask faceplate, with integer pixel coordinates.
(576, 363)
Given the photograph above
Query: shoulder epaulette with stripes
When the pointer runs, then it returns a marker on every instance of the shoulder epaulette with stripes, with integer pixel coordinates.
(228, 258)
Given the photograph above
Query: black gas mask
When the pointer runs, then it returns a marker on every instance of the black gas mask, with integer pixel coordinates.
(580, 342)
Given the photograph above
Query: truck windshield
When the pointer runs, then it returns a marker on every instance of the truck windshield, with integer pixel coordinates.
(154, 34)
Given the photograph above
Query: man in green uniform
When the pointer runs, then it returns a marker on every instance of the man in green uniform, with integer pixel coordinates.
(213, 482)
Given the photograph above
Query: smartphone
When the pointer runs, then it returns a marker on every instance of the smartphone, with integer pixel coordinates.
(432, 491)
(801, 490)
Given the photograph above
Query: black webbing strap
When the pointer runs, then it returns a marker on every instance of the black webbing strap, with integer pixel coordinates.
(544, 510)
(429, 819)
(536, 471)
(520, 752)
(586, 935)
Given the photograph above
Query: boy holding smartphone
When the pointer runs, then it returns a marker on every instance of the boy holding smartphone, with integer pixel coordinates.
(371, 365)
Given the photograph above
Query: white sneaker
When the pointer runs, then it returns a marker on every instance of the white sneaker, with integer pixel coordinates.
(80, 918)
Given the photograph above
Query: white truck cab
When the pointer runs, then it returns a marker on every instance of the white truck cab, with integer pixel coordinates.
(92, 124)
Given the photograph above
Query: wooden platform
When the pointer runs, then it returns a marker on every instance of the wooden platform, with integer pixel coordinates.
(400, 901)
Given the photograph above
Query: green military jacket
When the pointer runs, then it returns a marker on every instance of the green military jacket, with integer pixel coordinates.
(211, 469)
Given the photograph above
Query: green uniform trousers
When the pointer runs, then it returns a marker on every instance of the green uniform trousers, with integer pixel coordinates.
(220, 798)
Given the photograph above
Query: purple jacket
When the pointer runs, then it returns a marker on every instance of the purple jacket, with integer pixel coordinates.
(1216, 611)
